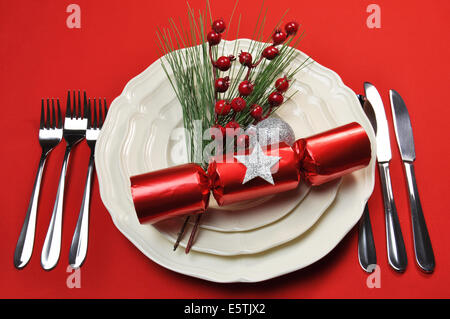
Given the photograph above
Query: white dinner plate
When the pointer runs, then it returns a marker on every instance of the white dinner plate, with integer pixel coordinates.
(246, 228)
(323, 96)
(156, 124)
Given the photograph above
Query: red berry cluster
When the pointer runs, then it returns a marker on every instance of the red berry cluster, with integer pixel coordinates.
(223, 63)
(215, 35)
(245, 88)
(223, 108)
(275, 99)
(269, 53)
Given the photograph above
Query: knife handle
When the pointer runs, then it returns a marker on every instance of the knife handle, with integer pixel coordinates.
(422, 243)
(395, 244)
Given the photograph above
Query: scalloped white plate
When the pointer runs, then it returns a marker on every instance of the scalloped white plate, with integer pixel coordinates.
(324, 102)
(243, 228)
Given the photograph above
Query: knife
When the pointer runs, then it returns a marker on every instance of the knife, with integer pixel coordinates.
(394, 238)
(403, 131)
(367, 255)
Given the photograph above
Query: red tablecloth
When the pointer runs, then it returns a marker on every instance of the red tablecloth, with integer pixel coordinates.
(41, 57)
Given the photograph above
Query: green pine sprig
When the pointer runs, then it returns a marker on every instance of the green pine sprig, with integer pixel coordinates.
(187, 65)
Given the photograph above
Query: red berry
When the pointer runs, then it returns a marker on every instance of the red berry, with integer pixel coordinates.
(243, 141)
(224, 62)
(238, 104)
(275, 99)
(222, 84)
(245, 88)
(222, 107)
(270, 52)
(213, 38)
(256, 111)
(217, 131)
(231, 128)
(282, 84)
(278, 37)
(291, 28)
(219, 25)
(245, 59)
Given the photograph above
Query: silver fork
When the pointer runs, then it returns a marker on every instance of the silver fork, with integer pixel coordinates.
(75, 124)
(78, 248)
(50, 134)
(367, 254)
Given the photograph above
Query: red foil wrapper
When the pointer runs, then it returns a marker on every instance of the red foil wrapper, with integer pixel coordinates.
(226, 177)
(170, 192)
(185, 189)
(332, 154)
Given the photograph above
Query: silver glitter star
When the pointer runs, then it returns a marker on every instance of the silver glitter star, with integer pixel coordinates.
(258, 164)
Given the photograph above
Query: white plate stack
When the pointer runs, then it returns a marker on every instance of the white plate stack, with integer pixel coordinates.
(244, 243)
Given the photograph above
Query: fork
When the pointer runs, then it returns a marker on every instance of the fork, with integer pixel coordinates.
(50, 134)
(367, 254)
(78, 248)
(75, 124)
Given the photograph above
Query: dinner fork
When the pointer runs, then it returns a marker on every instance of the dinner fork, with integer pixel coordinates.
(366, 245)
(78, 248)
(50, 134)
(75, 124)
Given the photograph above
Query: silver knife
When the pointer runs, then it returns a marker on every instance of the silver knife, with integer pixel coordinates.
(403, 131)
(395, 244)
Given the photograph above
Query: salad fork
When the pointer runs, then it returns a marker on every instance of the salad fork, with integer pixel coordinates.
(78, 248)
(50, 134)
(75, 124)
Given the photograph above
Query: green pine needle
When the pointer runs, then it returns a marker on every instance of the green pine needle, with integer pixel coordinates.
(187, 65)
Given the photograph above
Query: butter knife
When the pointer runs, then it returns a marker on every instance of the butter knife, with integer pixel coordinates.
(395, 245)
(405, 140)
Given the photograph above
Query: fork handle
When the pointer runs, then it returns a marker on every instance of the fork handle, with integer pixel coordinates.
(78, 248)
(25, 243)
(366, 245)
(52, 243)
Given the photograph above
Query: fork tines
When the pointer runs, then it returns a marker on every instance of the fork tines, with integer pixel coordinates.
(73, 109)
(96, 121)
(49, 121)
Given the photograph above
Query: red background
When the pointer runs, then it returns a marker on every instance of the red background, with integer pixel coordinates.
(40, 57)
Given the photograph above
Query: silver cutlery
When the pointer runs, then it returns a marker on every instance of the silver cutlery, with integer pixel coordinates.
(78, 248)
(50, 134)
(75, 124)
(405, 140)
(367, 255)
(395, 244)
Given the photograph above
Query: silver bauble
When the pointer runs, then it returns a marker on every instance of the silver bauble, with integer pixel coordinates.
(272, 130)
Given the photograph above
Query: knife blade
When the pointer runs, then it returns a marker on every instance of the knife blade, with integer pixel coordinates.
(402, 126)
(382, 136)
(405, 140)
(395, 244)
